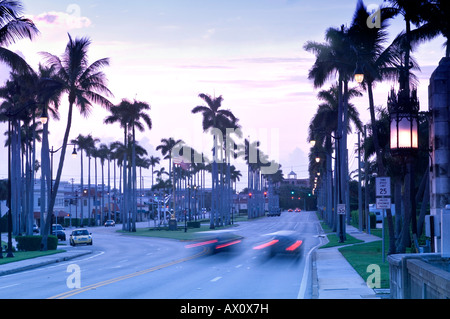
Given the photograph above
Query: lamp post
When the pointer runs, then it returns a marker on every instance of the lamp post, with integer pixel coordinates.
(403, 110)
(337, 138)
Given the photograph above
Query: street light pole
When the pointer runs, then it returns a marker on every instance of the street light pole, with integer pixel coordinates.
(74, 155)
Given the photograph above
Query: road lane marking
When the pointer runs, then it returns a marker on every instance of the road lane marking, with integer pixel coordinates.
(77, 291)
(215, 279)
(10, 286)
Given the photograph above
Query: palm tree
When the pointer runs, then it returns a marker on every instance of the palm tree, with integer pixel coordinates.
(166, 147)
(82, 143)
(120, 115)
(23, 95)
(13, 27)
(394, 62)
(137, 113)
(335, 56)
(103, 154)
(434, 15)
(215, 118)
(322, 125)
(120, 154)
(84, 83)
(377, 62)
(153, 161)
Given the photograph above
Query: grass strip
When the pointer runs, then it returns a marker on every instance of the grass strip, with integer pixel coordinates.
(22, 255)
(361, 256)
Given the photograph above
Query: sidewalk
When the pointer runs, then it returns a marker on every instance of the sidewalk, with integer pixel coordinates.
(334, 277)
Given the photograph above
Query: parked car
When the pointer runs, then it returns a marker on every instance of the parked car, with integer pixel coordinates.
(110, 222)
(35, 229)
(60, 234)
(80, 236)
(378, 212)
(58, 231)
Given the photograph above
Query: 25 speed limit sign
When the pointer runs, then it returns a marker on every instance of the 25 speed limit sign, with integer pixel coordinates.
(383, 186)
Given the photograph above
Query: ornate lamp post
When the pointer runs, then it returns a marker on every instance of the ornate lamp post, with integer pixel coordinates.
(403, 109)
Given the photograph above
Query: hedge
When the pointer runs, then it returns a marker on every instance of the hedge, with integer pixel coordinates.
(33, 243)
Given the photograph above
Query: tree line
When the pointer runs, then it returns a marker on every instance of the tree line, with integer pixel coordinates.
(364, 45)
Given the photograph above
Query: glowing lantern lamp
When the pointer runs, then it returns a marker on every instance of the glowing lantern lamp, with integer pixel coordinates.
(404, 123)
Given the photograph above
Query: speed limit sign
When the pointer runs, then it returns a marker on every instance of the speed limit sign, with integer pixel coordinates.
(383, 186)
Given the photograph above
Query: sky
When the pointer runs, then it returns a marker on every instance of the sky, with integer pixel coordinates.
(167, 52)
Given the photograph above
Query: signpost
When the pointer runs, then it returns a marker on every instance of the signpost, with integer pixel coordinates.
(341, 209)
(383, 186)
(383, 193)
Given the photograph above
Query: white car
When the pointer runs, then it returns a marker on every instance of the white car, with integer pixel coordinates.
(80, 236)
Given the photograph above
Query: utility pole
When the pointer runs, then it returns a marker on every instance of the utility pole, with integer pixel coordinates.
(366, 188)
(360, 215)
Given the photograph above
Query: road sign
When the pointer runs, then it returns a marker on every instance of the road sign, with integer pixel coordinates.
(383, 186)
(341, 209)
(384, 203)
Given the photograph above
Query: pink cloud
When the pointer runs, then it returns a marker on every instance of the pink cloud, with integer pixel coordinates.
(56, 19)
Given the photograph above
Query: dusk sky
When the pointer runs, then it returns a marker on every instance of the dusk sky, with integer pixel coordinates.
(167, 52)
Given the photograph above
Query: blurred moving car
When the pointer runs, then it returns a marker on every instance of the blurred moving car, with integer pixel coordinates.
(80, 236)
(290, 210)
(109, 223)
(216, 240)
(281, 242)
(298, 210)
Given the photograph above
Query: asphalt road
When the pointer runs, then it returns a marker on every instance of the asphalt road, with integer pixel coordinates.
(128, 267)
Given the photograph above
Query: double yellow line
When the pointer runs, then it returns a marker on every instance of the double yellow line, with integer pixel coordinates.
(77, 291)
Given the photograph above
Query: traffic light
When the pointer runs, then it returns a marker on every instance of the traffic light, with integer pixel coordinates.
(292, 192)
(249, 195)
(265, 194)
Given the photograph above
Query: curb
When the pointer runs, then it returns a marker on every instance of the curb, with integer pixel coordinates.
(41, 261)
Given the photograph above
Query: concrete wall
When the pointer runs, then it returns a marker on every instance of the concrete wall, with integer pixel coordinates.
(419, 276)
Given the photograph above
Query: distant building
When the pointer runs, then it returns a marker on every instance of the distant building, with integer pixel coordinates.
(293, 180)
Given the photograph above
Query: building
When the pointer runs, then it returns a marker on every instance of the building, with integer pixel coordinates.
(293, 180)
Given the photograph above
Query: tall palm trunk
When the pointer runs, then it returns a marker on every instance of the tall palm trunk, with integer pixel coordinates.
(380, 165)
(125, 186)
(134, 180)
(58, 178)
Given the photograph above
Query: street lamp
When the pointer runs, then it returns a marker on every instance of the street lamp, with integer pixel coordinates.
(404, 122)
(74, 155)
(44, 116)
(359, 73)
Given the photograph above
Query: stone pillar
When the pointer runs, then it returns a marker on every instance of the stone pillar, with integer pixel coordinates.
(439, 107)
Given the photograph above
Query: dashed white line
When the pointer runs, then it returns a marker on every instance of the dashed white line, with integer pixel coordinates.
(215, 279)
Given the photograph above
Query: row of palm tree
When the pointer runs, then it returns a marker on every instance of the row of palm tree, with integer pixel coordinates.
(224, 127)
(347, 48)
(14, 26)
(31, 94)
